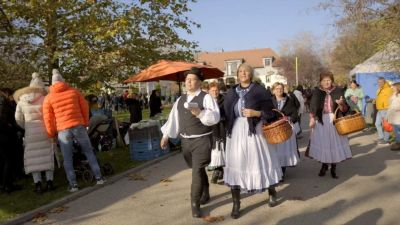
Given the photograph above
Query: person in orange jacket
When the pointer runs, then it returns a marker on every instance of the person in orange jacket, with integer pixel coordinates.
(66, 115)
(383, 95)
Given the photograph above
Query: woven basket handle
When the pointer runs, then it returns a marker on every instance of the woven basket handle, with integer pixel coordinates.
(283, 115)
(334, 115)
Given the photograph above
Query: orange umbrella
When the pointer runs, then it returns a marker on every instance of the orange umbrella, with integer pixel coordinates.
(172, 70)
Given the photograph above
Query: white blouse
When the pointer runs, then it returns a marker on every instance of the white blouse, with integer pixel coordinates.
(208, 116)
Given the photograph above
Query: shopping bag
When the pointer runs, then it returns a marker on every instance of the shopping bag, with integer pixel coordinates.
(386, 125)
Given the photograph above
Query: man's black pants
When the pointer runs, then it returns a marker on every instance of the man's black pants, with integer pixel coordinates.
(197, 154)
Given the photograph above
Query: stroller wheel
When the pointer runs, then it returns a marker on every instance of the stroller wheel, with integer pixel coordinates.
(87, 176)
(107, 169)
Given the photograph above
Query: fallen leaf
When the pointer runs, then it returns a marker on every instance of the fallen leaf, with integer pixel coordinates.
(165, 180)
(40, 217)
(213, 219)
(133, 197)
(58, 209)
(134, 176)
(296, 198)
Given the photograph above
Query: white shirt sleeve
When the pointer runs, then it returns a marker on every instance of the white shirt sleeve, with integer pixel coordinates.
(210, 114)
(171, 128)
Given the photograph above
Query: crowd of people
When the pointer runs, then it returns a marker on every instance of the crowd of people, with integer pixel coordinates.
(223, 131)
(33, 123)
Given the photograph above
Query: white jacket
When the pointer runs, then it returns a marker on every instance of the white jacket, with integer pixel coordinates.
(393, 113)
(38, 154)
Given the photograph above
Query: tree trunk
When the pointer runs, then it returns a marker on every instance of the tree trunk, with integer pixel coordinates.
(51, 39)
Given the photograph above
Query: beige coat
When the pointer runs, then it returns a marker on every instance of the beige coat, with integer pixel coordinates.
(393, 113)
(38, 153)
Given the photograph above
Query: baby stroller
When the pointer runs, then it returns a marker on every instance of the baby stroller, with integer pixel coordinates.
(101, 133)
(82, 168)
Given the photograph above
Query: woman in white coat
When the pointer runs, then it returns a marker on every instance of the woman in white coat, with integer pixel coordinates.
(38, 151)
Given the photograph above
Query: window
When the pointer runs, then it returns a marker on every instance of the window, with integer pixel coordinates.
(231, 67)
(267, 62)
(268, 79)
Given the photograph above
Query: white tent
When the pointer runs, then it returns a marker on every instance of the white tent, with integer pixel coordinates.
(380, 61)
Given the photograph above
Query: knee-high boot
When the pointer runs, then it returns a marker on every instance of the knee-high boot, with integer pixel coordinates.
(323, 170)
(205, 196)
(272, 197)
(236, 203)
(333, 171)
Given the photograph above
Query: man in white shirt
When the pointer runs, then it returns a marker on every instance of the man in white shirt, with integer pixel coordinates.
(191, 118)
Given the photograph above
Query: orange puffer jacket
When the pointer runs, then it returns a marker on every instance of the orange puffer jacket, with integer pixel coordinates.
(64, 107)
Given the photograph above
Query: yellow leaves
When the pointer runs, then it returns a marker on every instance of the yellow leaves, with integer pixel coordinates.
(165, 180)
(213, 219)
(136, 177)
(58, 209)
(40, 217)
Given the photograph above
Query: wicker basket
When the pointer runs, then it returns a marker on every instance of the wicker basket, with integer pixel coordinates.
(278, 131)
(349, 124)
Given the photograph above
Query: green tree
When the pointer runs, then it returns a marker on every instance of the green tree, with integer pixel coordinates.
(365, 27)
(103, 40)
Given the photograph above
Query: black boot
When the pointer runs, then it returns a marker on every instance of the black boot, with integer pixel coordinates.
(333, 171)
(50, 186)
(272, 197)
(205, 196)
(283, 174)
(323, 170)
(38, 188)
(196, 209)
(236, 203)
(214, 178)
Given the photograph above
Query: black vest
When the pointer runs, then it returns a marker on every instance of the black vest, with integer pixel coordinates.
(188, 123)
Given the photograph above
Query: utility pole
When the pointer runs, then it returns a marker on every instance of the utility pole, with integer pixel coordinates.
(297, 73)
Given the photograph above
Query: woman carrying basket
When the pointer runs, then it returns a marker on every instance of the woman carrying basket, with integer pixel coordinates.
(288, 105)
(326, 145)
(250, 166)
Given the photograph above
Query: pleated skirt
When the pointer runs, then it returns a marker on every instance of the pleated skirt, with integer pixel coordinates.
(249, 164)
(326, 145)
(287, 151)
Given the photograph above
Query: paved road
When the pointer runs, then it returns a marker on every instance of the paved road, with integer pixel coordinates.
(367, 192)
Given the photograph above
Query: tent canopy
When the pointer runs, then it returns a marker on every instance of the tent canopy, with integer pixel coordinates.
(380, 61)
(378, 65)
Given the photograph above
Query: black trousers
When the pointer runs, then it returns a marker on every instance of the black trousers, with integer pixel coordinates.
(197, 154)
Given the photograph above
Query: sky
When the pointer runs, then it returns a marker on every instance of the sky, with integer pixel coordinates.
(248, 24)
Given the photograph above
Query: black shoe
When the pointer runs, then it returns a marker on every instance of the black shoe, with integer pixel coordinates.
(333, 171)
(323, 170)
(38, 188)
(205, 196)
(50, 186)
(196, 209)
(236, 203)
(272, 197)
(214, 178)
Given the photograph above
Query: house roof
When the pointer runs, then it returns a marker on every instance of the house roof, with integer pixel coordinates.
(253, 57)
